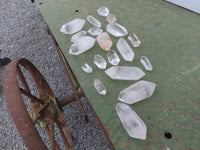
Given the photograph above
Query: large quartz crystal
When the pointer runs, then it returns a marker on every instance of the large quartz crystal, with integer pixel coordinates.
(104, 41)
(72, 26)
(113, 58)
(95, 31)
(116, 30)
(103, 11)
(124, 73)
(100, 62)
(137, 92)
(87, 68)
(78, 35)
(94, 21)
(133, 124)
(125, 50)
(146, 63)
(99, 87)
(134, 39)
(111, 18)
(82, 45)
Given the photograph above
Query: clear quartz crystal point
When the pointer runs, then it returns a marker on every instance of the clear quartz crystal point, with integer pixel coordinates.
(111, 18)
(94, 21)
(99, 87)
(95, 31)
(104, 41)
(134, 39)
(82, 45)
(113, 58)
(87, 68)
(78, 36)
(146, 63)
(103, 11)
(137, 92)
(132, 123)
(125, 50)
(100, 62)
(72, 26)
(116, 30)
(124, 73)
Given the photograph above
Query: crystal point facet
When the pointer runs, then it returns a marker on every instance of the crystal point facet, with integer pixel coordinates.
(133, 124)
(100, 62)
(87, 68)
(146, 63)
(103, 11)
(95, 31)
(78, 36)
(116, 30)
(113, 58)
(134, 39)
(99, 87)
(94, 21)
(104, 41)
(111, 18)
(137, 92)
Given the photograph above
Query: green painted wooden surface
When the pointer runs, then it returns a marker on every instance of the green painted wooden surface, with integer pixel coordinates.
(170, 39)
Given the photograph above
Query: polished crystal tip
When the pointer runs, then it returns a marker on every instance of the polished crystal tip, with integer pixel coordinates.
(113, 58)
(104, 41)
(72, 26)
(125, 50)
(111, 18)
(146, 63)
(124, 73)
(103, 11)
(100, 62)
(137, 92)
(132, 123)
(134, 40)
(95, 31)
(82, 45)
(94, 21)
(99, 87)
(116, 30)
(87, 68)
(78, 36)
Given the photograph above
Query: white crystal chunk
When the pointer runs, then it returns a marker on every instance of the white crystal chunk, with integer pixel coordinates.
(104, 41)
(94, 21)
(78, 35)
(87, 68)
(82, 45)
(95, 31)
(103, 11)
(113, 58)
(137, 92)
(146, 63)
(99, 87)
(133, 124)
(111, 18)
(124, 73)
(100, 62)
(116, 30)
(72, 26)
(125, 50)
(134, 39)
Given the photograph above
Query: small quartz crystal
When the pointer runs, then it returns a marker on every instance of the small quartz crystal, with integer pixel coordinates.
(134, 39)
(87, 68)
(116, 30)
(72, 26)
(146, 63)
(104, 41)
(103, 11)
(132, 123)
(95, 31)
(113, 58)
(100, 62)
(99, 87)
(78, 36)
(94, 21)
(111, 18)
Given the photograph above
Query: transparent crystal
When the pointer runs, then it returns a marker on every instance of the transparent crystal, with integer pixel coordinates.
(94, 21)
(100, 62)
(95, 31)
(116, 30)
(78, 35)
(137, 92)
(125, 50)
(72, 26)
(124, 73)
(87, 68)
(111, 18)
(133, 124)
(146, 63)
(134, 39)
(99, 87)
(82, 45)
(103, 11)
(113, 58)
(104, 41)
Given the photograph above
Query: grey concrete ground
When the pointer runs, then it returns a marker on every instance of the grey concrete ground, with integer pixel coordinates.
(23, 34)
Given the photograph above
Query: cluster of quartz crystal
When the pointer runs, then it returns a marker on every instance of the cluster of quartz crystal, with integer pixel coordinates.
(140, 90)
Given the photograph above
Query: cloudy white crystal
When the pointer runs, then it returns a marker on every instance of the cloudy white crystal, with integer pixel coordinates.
(78, 36)
(100, 62)
(116, 30)
(103, 11)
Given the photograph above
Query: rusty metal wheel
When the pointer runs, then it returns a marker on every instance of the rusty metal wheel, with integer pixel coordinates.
(44, 109)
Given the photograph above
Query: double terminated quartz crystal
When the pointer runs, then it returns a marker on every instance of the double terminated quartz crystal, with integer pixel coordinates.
(78, 36)
(100, 62)
(95, 31)
(113, 58)
(94, 21)
(99, 87)
(146, 63)
(86, 68)
(103, 11)
(104, 41)
(134, 40)
(116, 30)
